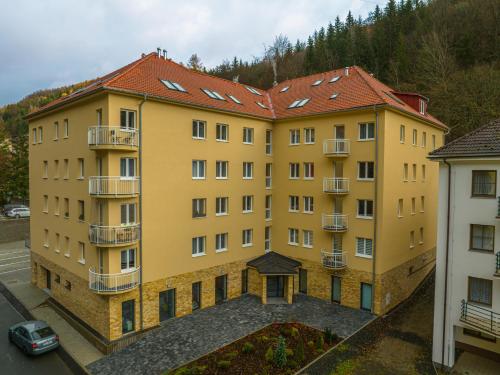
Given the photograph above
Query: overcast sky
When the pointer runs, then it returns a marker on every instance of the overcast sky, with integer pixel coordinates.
(50, 43)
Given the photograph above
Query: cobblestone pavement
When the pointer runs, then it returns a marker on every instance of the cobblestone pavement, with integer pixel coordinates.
(184, 339)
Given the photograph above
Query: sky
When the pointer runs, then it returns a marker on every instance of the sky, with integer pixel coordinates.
(52, 43)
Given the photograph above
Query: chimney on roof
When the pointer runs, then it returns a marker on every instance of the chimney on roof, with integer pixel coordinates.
(165, 54)
(143, 55)
(346, 71)
(236, 79)
(158, 51)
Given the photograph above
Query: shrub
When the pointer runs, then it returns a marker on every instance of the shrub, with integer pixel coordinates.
(310, 344)
(247, 347)
(294, 332)
(280, 353)
(263, 338)
(223, 365)
(231, 355)
(289, 352)
(342, 348)
(299, 352)
(269, 355)
(292, 364)
(320, 341)
(285, 331)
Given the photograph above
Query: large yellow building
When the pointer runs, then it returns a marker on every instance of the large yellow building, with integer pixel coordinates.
(158, 190)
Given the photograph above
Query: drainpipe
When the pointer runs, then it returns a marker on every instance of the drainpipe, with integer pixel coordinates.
(375, 183)
(141, 307)
(445, 299)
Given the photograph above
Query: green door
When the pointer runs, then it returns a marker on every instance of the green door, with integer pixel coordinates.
(366, 296)
(336, 288)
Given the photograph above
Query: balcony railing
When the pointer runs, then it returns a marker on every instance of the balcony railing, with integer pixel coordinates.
(113, 283)
(497, 265)
(113, 235)
(480, 318)
(113, 186)
(335, 185)
(336, 147)
(498, 208)
(112, 136)
(334, 260)
(334, 222)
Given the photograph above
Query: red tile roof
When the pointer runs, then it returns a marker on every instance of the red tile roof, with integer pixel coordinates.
(358, 89)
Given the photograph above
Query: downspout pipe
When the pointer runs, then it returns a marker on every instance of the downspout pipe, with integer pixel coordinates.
(141, 268)
(375, 182)
(445, 299)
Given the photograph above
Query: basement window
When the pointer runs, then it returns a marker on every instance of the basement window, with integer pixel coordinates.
(261, 105)
(299, 103)
(284, 89)
(173, 85)
(253, 91)
(334, 95)
(334, 79)
(213, 94)
(234, 99)
(318, 82)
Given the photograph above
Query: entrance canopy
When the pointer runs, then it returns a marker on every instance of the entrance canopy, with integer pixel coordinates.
(274, 264)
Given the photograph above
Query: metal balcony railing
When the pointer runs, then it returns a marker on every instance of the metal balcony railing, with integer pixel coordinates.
(334, 222)
(335, 185)
(112, 136)
(336, 147)
(113, 235)
(113, 283)
(334, 260)
(497, 264)
(113, 185)
(498, 208)
(480, 318)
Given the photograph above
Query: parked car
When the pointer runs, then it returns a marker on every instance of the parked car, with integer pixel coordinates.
(33, 337)
(18, 212)
(8, 207)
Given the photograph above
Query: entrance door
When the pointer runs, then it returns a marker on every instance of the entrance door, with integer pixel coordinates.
(220, 289)
(275, 286)
(48, 277)
(340, 134)
(336, 288)
(196, 298)
(366, 296)
(167, 304)
(128, 316)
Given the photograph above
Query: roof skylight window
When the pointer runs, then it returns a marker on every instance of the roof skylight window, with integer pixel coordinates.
(234, 99)
(318, 82)
(285, 89)
(213, 94)
(334, 95)
(299, 103)
(173, 85)
(334, 79)
(261, 105)
(253, 91)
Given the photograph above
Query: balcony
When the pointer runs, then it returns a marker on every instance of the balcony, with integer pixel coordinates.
(113, 283)
(334, 222)
(498, 208)
(480, 318)
(113, 187)
(335, 185)
(497, 265)
(105, 236)
(336, 147)
(334, 260)
(113, 138)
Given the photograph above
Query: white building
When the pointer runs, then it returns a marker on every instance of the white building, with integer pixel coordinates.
(468, 246)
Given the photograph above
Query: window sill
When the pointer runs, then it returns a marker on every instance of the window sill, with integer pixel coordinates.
(198, 138)
(308, 212)
(364, 256)
(413, 213)
(309, 143)
(199, 217)
(308, 178)
(66, 217)
(294, 144)
(400, 216)
(308, 246)
(247, 212)
(45, 178)
(80, 178)
(485, 251)
(81, 221)
(366, 140)
(412, 247)
(248, 178)
(220, 251)
(198, 255)
(422, 212)
(293, 178)
(57, 251)
(420, 243)
(223, 214)
(199, 178)
(45, 212)
(248, 143)
(293, 244)
(484, 196)
(46, 246)
(222, 140)
(365, 179)
(81, 261)
(65, 137)
(221, 178)
(364, 217)
(67, 255)
(247, 245)
(269, 218)
(294, 211)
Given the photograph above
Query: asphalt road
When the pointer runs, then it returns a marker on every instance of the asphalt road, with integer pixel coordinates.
(14, 267)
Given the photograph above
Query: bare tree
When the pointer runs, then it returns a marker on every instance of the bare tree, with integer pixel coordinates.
(195, 63)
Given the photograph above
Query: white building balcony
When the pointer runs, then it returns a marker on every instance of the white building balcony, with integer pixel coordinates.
(334, 222)
(113, 186)
(335, 185)
(106, 236)
(113, 137)
(336, 147)
(480, 318)
(114, 283)
(334, 260)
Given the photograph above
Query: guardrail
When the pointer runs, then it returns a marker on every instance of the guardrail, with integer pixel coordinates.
(336, 147)
(112, 136)
(334, 259)
(113, 185)
(481, 318)
(335, 185)
(334, 222)
(113, 283)
(113, 235)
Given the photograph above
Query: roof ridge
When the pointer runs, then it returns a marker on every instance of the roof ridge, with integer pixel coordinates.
(362, 73)
(131, 67)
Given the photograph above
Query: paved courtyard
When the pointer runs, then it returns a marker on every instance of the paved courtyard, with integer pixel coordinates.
(184, 339)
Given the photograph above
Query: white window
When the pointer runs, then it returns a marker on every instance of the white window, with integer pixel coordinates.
(422, 203)
(222, 132)
(293, 236)
(413, 206)
(46, 203)
(221, 242)
(127, 167)
(56, 206)
(45, 171)
(400, 207)
(423, 172)
(234, 99)
(66, 208)
(412, 239)
(317, 83)
(221, 206)
(421, 241)
(198, 246)
(81, 210)
(308, 205)
(405, 172)
(173, 85)
(199, 169)
(308, 171)
(56, 131)
(294, 171)
(422, 106)
(56, 169)
(57, 247)
(307, 238)
(414, 137)
(81, 169)
(127, 260)
(269, 202)
(364, 247)
(366, 170)
(414, 172)
(309, 136)
(267, 239)
(213, 94)
(46, 238)
(247, 203)
(247, 170)
(299, 103)
(67, 252)
(66, 128)
(293, 203)
(34, 136)
(81, 252)
(40, 134)
(269, 142)
(127, 119)
(366, 131)
(247, 237)
(294, 136)
(199, 128)
(66, 169)
(365, 208)
(269, 177)
(99, 117)
(433, 142)
(402, 135)
(248, 135)
(199, 207)
(128, 213)
(424, 139)
(221, 170)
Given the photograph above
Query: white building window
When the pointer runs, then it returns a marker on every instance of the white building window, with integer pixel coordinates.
(221, 242)
(293, 203)
(45, 169)
(422, 203)
(421, 241)
(46, 238)
(309, 136)
(294, 171)
(81, 252)
(400, 208)
(199, 129)
(269, 175)
(247, 237)
(247, 170)
(221, 170)
(199, 207)
(413, 206)
(128, 213)
(412, 239)
(81, 169)
(366, 131)
(293, 236)
(366, 170)
(40, 134)
(247, 203)
(365, 208)
(248, 135)
(56, 131)
(402, 134)
(269, 202)
(307, 238)
(127, 260)
(66, 128)
(364, 247)
(433, 142)
(423, 172)
(45, 203)
(269, 142)
(33, 137)
(424, 139)
(127, 119)
(221, 206)
(198, 246)
(294, 136)
(422, 106)
(199, 169)
(127, 167)
(66, 169)
(414, 137)
(222, 132)
(405, 172)
(308, 171)
(308, 205)
(414, 172)
(267, 239)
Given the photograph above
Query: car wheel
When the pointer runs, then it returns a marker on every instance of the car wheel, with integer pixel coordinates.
(17, 216)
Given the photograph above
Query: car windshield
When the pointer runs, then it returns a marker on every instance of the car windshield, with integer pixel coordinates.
(42, 333)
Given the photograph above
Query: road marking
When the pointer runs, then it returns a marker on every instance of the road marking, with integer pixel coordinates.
(15, 252)
(22, 256)
(10, 264)
(19, 269)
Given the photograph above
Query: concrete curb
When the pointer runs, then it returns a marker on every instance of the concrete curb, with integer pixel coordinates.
(72, 363)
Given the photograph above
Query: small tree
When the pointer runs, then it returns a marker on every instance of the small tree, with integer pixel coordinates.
(299, 352)
(280, 353)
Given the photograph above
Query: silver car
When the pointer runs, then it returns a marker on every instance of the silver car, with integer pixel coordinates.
(33, 337)
(18, 212)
